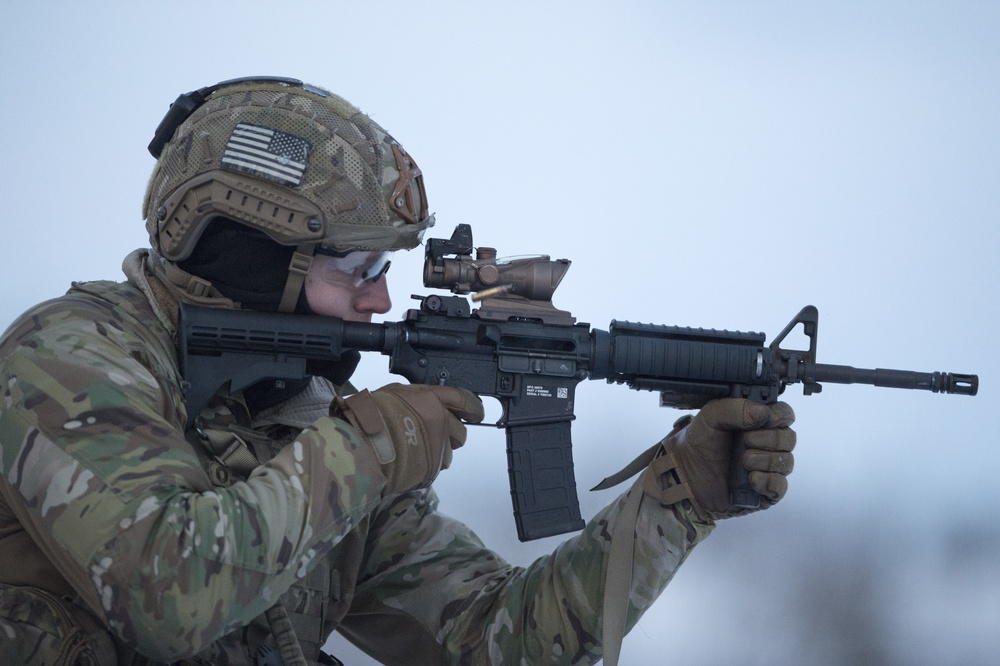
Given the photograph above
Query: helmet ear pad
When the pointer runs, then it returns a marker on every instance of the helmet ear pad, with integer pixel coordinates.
(244, 264)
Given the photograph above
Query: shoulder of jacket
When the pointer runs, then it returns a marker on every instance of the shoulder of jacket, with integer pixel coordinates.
(110, 319)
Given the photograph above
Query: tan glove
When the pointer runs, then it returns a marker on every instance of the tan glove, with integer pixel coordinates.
(413, 428)
(699, 451)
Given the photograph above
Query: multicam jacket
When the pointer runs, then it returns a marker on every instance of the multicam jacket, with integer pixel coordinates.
(124, 521)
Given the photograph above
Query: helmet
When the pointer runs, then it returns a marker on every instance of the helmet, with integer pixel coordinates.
(287, 161)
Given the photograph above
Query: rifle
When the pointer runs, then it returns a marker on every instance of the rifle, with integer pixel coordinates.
(520, 349)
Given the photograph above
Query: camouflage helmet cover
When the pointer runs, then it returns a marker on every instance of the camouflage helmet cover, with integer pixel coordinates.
(294, 161)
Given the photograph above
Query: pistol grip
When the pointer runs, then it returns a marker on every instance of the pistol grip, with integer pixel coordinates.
(741, 493)
(542, 481)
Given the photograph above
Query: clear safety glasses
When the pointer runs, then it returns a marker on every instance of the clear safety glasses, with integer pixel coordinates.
(353, 268)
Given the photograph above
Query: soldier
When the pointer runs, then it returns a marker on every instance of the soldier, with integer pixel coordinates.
(292, 511)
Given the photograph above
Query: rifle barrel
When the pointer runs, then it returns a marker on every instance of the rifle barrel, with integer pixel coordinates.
(937, 382)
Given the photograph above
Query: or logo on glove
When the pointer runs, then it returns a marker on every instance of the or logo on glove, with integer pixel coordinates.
(410, 430)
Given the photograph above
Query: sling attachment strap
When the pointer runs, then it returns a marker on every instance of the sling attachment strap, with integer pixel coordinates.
(618, 582)
(660, 482)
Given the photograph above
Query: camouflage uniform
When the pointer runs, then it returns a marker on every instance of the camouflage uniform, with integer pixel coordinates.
(123, 520)
(115, 511)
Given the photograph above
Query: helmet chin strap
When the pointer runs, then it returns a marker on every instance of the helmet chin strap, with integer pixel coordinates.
(297, 269)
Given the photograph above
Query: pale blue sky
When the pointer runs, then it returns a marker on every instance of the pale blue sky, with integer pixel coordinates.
(705, 164)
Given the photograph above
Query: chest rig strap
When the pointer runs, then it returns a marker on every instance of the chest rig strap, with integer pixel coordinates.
(227, 444)
(231, 451)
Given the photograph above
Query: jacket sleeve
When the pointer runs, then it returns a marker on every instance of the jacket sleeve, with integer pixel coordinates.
(443, 597)
(96, 467)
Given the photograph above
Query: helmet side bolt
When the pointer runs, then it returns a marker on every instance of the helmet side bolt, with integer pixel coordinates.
(314, 224)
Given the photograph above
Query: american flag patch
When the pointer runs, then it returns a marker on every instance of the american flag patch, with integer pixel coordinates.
(267, 153)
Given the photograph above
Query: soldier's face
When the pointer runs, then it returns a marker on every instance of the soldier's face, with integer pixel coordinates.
(333, 288)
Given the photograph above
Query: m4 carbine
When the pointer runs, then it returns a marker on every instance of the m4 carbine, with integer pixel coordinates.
(520, 349)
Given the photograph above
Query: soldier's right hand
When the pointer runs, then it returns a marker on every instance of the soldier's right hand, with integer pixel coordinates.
(412, 428)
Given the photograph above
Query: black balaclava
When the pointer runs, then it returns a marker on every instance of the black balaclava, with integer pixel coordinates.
(244, 264)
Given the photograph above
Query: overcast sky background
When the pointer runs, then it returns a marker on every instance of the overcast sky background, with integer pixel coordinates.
(706, 164)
